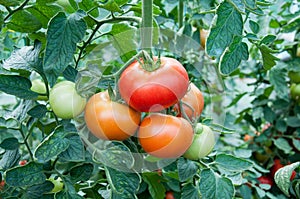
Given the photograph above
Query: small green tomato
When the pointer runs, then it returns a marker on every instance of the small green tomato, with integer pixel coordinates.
(38, 86)
(65, 102)
(203, 143)
(58, 184)
(295, 91)
(294, 77)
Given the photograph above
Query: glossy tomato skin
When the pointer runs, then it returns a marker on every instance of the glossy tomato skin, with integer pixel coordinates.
(165, 136)
(156, 90)
(64, 100)
(203, 143)
(110, 120)
(193, 103)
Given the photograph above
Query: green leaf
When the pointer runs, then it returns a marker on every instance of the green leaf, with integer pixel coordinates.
(27, 175)
(233, 56)
(269, 60)
(70, 74)
(279, 83)
(296, 143)
(44, 12)
(283, 175)
(38, 111)
(229, 162)
(190, 191)
(9, 3)
(75, 151)
(37, 191)
(116, 155)
(123, 40)
(81, 172)
(212, 186)
(293, 121)
(24, 21)
(9, 159)
(123, 183)
(254, 26)
(25, 58)
(62, 36)
(18, 86)
(228, 23)
(292, 25)
(157, 190)
(52, 145)
(113, 5)
(239, 4)
(268, 39)
(10, 144)
(186, 169)
(283, 144)
(251, 4)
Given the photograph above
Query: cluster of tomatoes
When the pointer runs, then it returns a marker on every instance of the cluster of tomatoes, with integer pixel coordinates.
(160, 107)
(157, 104)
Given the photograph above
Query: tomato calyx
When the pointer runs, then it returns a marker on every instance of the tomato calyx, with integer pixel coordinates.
(147, 62)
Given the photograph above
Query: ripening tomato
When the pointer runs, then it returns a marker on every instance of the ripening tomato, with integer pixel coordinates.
(203, 143)
(265, 180)
(65, 102)
(169, 195)
(147, 91)
(165, 136)
(110, 120)
(193, 103)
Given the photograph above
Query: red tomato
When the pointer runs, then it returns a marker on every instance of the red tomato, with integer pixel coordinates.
(156, 90)
(195, 103)
(22, 162)
(277, 165)
(110, 120)
(165, 136)
(169, 195)
(265, 180)
(2, 184)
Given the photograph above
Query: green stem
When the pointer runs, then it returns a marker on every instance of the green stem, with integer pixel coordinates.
(180, 13)
(26, 143)
(146, 31)
(17, 9)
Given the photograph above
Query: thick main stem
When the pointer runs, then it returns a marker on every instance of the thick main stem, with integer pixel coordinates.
(146, 30)
(180, 13)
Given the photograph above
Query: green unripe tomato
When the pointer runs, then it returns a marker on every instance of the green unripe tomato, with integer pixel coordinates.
(65, 102)
(295, 91)
(38, 86)
(203, 143)
(58, 184)
(294, 77)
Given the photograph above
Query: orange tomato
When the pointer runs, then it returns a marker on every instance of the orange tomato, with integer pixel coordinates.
(165, 136)
(110, 120)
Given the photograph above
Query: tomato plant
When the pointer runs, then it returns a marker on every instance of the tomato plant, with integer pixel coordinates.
(150, 91)
(193, 103)
(110, 120)
(203, 143)
(149, 54)
(65, 102)
(165, 136)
